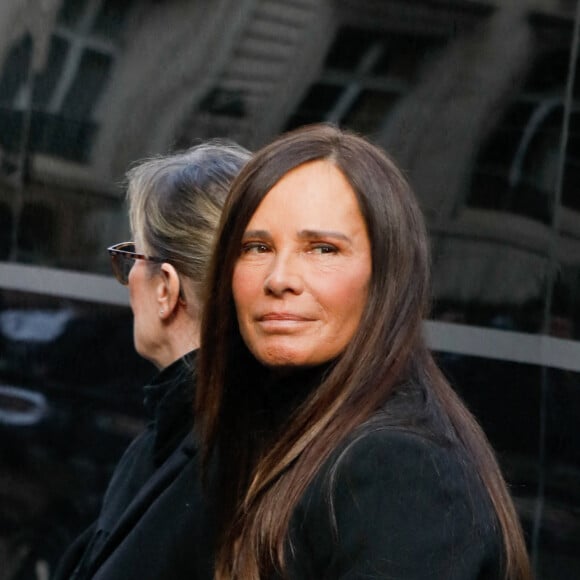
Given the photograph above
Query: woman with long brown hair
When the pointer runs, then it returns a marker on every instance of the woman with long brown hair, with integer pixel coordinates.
(333, 446)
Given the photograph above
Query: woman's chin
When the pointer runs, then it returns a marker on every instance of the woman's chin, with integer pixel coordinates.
(287, 358)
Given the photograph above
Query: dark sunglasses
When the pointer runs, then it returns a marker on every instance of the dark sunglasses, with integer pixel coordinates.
(123, 257)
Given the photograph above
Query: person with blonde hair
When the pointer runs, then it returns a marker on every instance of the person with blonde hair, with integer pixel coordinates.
(151, 508)
(333, 446)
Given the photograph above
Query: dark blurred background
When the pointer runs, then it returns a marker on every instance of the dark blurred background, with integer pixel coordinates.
(478, 101)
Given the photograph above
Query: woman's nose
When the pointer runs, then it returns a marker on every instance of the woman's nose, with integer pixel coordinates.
(285, 275)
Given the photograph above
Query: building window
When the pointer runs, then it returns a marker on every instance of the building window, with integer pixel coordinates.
(364, 74)
(517, 169)
(37, 232)
(63, 96)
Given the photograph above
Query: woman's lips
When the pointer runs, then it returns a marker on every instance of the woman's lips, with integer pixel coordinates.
(282, 322)
(282, 316)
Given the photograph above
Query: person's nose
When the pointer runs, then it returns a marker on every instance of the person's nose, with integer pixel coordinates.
(285, 275)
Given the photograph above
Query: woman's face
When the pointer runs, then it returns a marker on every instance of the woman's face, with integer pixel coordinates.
(301, 282)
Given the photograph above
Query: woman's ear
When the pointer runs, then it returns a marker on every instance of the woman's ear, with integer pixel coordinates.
(168, 294)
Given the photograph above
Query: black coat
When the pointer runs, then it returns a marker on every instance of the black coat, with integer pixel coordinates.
(399, 499)
(394, 504)
(148, 523)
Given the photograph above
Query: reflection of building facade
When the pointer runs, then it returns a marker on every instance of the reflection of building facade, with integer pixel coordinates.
(84, 92)
(470, 97)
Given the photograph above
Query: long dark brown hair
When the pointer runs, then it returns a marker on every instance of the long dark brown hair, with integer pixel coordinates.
(386, 350)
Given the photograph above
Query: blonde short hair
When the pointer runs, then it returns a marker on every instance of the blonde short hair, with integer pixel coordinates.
(175, 203)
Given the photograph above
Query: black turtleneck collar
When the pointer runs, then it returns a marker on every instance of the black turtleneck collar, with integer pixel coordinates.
(169, 403)
(284, 390)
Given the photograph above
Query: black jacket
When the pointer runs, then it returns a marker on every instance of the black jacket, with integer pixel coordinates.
(398, 499)
(148, 522)
(394, 504)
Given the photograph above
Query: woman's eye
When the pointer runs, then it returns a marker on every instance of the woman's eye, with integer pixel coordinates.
(254, 248)
(324, 249)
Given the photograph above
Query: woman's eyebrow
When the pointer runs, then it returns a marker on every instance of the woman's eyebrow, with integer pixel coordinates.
(317, 234)
(263, 234)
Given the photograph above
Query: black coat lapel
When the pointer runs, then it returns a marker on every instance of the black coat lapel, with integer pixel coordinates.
(147, 495)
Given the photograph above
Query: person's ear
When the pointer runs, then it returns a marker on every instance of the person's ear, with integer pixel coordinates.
(168, 294)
